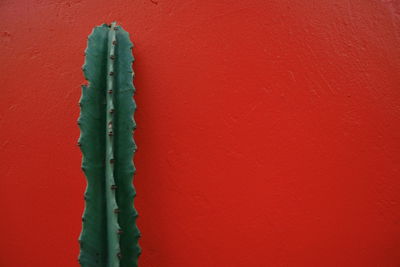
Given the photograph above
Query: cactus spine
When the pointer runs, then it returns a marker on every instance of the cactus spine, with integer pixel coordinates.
(109, 236)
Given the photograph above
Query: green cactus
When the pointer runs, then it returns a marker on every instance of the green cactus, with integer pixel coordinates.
(109, 236)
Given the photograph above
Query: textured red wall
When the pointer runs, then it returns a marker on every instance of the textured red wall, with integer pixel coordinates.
(268, 131)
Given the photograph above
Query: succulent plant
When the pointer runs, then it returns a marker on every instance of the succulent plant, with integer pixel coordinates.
(109, 236)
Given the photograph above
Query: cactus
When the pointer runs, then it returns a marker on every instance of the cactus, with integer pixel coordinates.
(109, 236)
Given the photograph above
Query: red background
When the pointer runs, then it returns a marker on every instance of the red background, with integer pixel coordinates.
(268, 131)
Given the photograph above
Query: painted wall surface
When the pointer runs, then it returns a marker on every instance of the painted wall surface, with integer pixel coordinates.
(268, 131)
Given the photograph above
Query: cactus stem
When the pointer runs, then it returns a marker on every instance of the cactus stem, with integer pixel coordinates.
(106, 110)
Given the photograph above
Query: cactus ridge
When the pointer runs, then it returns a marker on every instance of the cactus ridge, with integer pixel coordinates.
(109, 236)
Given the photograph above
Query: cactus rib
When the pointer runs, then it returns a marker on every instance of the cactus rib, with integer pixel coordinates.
(111, 202)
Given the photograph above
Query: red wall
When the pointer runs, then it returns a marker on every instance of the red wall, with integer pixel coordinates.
(268, 131)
